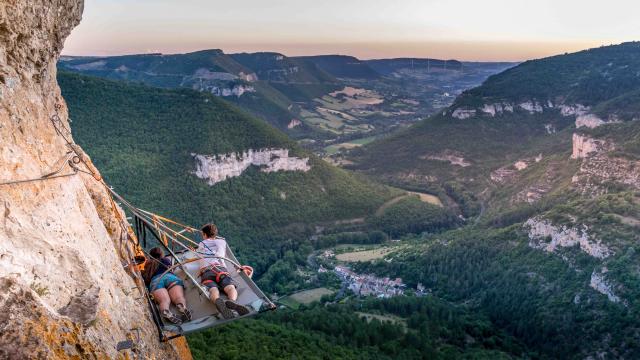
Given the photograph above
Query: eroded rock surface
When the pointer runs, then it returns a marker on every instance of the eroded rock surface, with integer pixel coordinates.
(584, 146)
(65, 291)
(548, 237)
(600, 284)
(218, 168)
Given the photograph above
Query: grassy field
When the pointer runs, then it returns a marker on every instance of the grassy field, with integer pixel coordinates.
(366, 255)
(335, 148)
(305, 297)
(427, 198)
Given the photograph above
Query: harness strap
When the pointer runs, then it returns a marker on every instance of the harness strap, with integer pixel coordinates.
(213, 269)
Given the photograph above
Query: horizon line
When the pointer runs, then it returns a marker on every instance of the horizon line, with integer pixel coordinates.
(366, 58)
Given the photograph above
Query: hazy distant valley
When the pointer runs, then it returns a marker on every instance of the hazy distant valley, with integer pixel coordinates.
(328, 103)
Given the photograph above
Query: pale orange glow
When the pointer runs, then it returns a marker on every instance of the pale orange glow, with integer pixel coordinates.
(498, 30)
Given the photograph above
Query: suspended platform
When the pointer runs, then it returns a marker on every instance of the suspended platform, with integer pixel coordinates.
(172, 236)
(204, 312)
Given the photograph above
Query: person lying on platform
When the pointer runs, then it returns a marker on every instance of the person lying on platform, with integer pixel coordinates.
(215, 276)
(165, 286)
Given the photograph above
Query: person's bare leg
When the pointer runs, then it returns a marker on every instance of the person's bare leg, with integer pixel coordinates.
(162, 298)
(231, 292)
(176, 293)
(214, 294)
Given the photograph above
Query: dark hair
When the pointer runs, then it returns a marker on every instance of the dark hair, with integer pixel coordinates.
(152, 265)
(210, 230)
(156, 252)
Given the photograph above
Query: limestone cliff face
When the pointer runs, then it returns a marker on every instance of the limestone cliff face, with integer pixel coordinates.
(65, 292)
(548, 237)
(599, 167)
(221, 167)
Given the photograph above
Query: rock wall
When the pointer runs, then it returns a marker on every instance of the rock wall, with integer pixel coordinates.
(548, 237)
(584, 146)
(65, 291)
(218, 168)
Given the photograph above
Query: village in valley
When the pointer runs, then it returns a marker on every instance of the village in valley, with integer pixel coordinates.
(338, 263)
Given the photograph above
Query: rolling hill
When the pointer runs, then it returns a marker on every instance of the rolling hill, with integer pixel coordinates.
(209, 71)
(343, 66)
(296, 94)
(543, 162)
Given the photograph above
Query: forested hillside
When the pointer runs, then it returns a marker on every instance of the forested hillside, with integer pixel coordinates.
(143, 140)
(210, 71)
(433, 330)
(542, 160)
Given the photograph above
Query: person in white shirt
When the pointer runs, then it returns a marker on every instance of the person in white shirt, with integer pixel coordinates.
(215, 276)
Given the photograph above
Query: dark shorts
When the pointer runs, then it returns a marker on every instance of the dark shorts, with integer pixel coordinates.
(217, 276)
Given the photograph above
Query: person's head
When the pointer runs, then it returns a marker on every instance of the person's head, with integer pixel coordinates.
(156, 253)
(209, 231)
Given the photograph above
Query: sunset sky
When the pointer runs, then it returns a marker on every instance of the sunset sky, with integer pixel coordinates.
(464, 29)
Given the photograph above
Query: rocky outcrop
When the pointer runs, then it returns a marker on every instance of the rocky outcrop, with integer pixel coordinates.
(496, 109)
(599, 167)
(600, 284)
(294, 123)
(593, 121)
(236, 90)
(65, 291)
(598, 170)
(548, 237)
(251, 77)
(531, 107)
(218, 168)
(584, 146)
(588, 120)
(462, 114)
(573, 110)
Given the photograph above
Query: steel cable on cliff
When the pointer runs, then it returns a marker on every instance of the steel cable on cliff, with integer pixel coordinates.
(73, 156)
(69, 160)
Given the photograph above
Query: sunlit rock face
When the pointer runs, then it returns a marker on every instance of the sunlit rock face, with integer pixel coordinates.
(65, 292)
(218, 168)
(584, 146)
